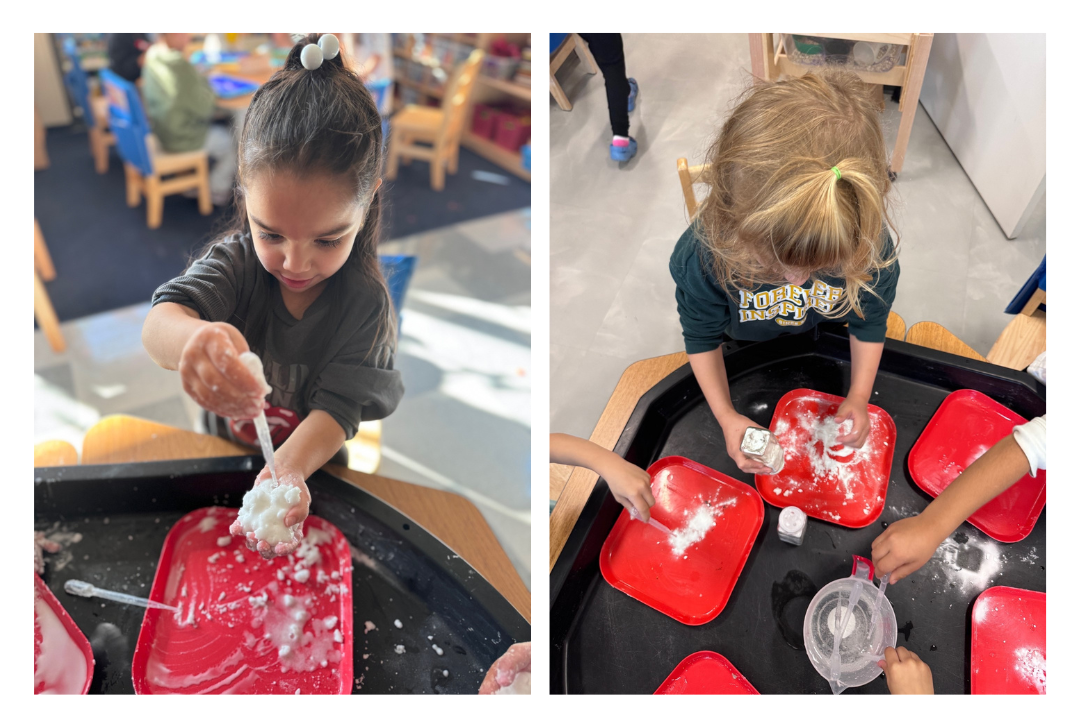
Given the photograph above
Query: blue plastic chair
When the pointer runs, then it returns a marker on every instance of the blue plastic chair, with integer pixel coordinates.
(143, 164)
(1037, 281)
(398, 270)
(78, 85)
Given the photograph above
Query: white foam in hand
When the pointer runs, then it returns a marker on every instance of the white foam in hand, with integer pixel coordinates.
(262, 517)
(255, 367)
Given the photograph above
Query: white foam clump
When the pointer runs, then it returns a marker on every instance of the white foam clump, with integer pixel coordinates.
(522, 685)
(254, 365)
(700, 523)
(264, 509)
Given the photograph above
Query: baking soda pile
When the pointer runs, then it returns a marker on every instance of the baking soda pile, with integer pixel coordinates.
(700, 522)
(830, 461)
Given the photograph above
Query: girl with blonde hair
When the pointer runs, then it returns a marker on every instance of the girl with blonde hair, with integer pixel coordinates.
(793, 231)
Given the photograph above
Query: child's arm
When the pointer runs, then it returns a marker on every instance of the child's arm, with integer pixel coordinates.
(711, 376)
(628, 483)
(909, 543)
(311, 445)
(865, 358)
(207, 356)
(906, 673)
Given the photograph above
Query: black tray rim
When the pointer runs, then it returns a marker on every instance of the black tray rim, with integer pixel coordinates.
(477, 586)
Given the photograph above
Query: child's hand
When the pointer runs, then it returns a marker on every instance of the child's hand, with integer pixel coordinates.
(906, 673)
(213, 375)
(295, 515)
(857, 413)
(630, 485)
(502, 672)
(734, 428)
(904, 547)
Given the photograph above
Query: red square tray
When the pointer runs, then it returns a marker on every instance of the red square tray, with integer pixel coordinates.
(850, 489)
(706, 673)
(1008, 642)
(692, 588)
(965, 426)
(64, 666)
(224, 649)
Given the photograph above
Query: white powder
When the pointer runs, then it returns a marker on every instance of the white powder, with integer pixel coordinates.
(302, 576)
(224, 540)
(971, 565)
(397, 623)
(438, 649)
(205, 526)
(522, 685)
(330, 622)
(700, 522)
(369, 626)
(264, 512)
(399, 648)
(1031, 665)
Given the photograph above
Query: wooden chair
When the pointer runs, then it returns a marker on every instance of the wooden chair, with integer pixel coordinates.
(936, 337)
(41, 153)
(1020, 342)
(689, 175)
(150, 172)
(44, 313)
(95, 109)
(572, 43)
(441, 128)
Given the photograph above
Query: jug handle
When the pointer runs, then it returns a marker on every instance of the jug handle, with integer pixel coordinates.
(863, 567)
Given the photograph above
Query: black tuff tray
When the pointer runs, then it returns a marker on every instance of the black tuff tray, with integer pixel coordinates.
(400, 571)
(604, 641)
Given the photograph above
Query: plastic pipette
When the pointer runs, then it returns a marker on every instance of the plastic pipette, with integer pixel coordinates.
(85, 589)
(254, 365)
(651, 522)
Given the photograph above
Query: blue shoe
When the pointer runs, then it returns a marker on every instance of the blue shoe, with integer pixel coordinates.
(633, 95)
(623, 153)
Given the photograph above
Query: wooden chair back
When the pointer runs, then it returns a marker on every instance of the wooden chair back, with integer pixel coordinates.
(456, 99)
(688, 176)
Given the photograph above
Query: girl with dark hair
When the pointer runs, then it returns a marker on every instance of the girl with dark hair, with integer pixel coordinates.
(296, 280)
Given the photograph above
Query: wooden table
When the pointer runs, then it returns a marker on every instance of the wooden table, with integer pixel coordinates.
(256, 74)
(635, 382)
(451, 518)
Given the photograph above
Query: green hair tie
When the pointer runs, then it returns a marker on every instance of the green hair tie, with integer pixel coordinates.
(837, 172)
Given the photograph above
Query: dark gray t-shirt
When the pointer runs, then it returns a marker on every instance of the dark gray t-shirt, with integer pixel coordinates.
(357, 383)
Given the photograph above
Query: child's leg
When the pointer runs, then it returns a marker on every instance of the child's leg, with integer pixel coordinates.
(607, 49)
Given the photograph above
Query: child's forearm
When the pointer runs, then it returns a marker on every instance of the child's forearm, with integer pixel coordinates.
(166, 331)
(312, 444)
(990, 475)
(865, 358)
(711, 375)
(573, 451)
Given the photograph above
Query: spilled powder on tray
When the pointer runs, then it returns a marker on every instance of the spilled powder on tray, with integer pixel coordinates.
(697, 526)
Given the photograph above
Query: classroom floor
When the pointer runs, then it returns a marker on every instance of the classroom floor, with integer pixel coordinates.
(463, 424)
(613, 228)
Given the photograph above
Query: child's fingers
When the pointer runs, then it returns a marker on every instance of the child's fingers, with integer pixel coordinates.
(642, 507)
(891, 657)
(647, 495)
(903, 571)
(222, 352)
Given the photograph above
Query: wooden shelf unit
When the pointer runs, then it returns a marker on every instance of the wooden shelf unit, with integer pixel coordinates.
(487, 90)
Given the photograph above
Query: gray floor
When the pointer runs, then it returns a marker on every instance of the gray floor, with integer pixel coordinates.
(464, 354)
(613, 226)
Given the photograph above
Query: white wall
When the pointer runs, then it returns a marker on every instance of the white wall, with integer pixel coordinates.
(986, 93)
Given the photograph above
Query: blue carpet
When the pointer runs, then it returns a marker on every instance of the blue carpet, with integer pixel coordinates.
(106, 257)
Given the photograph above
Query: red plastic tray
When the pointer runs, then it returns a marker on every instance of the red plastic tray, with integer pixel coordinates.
(706, 673)
(1008, 642)
(850, 489)
(223, 649)
(694, 587)
(967, 425)
(66, 651)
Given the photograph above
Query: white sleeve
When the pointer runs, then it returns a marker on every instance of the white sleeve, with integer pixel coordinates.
(1031, 437)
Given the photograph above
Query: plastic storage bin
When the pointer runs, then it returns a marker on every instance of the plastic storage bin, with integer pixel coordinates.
(484, 120)
(811, 50)
(512, 130)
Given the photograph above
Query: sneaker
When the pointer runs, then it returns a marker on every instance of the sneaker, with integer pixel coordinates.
(633, 95)
(623, 149)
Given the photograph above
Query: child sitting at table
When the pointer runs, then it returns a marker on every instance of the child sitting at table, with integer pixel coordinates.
(629, 484)
(909, 543)
(793, 231)
(296, 281)
(180, 104)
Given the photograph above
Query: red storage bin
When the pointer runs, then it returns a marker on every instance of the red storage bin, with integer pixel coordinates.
(483, 120)
(512, 130)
